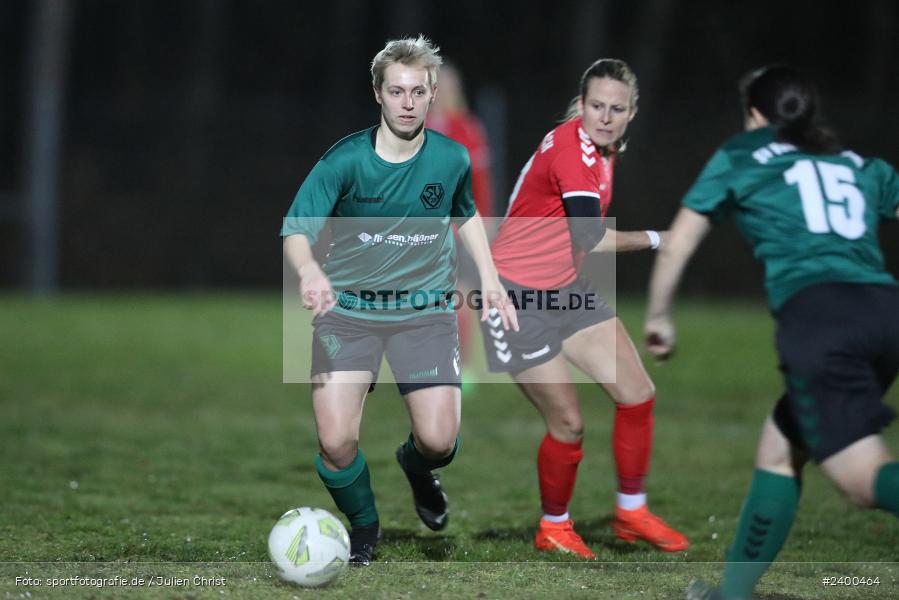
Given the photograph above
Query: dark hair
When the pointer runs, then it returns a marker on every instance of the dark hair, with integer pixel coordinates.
(790, 103)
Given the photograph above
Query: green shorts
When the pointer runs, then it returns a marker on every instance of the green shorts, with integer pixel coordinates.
(422, 351)
(839, 352)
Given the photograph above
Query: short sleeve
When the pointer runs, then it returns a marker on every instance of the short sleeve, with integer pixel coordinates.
(463, 198)
(888, 202)
(711, 194)
(313, 203)
(573, 174)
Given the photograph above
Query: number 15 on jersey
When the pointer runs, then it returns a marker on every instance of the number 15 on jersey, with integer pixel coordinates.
(831, 201)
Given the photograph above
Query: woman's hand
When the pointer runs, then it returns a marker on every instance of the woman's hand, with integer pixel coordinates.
(315, 289)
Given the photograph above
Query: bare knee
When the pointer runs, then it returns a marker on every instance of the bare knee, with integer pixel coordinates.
(858, 488)
(854, 469)
(435, 445)
(636, 393)
(632, 384)
(337, 450)
(775, 457)
(566, 427)
(776, 454)
(558, 405)
(435, 451)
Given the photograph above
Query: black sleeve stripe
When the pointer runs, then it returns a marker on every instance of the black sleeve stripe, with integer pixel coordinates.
(585, 222)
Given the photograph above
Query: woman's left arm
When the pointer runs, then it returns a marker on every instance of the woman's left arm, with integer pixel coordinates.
(474, 238)
(687, 231)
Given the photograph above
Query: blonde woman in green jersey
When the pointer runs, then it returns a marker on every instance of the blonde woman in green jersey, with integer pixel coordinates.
(396, 189)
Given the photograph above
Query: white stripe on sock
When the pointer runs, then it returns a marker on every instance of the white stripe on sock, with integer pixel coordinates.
(556, 518)
(630, 501)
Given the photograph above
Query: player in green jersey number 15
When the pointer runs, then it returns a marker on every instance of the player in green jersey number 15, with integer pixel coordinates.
(417, 182)
(810, 209)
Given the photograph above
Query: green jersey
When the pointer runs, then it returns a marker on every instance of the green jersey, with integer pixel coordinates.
(392, 252)
(810, 218)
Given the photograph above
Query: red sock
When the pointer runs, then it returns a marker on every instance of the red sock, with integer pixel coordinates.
(632, 444)
(557, 470)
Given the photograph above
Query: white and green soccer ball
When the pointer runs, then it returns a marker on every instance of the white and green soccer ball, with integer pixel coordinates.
(309, 546)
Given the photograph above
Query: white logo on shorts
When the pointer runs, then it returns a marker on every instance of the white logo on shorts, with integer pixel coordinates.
(537, 354)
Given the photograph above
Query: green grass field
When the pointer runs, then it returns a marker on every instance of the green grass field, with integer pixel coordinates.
(147, 436)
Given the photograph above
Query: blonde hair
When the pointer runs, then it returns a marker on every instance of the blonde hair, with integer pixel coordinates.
(408, 51)
(611, 68)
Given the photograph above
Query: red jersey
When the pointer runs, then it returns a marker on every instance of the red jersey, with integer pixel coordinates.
(467, 130)
(533, 247)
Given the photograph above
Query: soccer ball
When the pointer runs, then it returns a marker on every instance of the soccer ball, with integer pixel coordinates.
(310, 546)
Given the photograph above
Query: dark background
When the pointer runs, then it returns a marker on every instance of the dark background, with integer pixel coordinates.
(187, 126)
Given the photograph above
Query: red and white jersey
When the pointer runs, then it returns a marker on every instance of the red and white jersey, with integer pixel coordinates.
(533, 247)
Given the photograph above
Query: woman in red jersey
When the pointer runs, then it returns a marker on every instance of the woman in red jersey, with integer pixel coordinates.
(451, 116)
(555, 218)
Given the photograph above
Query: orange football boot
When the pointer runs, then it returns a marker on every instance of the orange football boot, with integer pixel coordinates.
(561, 537)
(640, 524)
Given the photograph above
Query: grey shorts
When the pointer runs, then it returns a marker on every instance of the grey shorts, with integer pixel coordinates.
(545, 319)
(422, 351)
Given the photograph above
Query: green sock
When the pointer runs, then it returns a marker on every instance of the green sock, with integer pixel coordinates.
(886, 487)
(351, 490)
(765, 521)
(414, 461)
